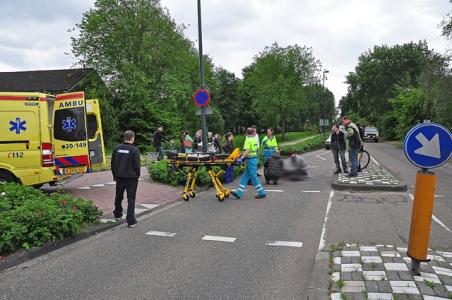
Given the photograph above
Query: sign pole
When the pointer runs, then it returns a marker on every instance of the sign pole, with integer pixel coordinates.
(202, 83)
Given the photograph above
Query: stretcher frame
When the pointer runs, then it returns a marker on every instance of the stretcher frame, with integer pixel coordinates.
(182, 161)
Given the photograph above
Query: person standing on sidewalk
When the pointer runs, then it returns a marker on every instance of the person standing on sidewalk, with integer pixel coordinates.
(250, 147)
(159, 136)
(338, 148)
(125, 166)
(353, 144)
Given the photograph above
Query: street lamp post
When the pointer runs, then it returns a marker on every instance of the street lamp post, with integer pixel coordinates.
(321, 108)
(201, 81)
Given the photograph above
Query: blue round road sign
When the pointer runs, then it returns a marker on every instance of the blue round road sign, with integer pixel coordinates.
(201, 97)
(428, 145)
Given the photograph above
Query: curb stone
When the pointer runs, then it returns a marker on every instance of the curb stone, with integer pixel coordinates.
(22, 256)
(318, 286)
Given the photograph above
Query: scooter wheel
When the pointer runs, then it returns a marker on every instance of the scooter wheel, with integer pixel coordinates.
(185, 197)
(192, 194)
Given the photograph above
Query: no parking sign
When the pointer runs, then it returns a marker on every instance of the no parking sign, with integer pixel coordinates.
(201, 98)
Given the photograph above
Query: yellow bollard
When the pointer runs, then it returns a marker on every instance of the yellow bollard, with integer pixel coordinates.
(421, 218)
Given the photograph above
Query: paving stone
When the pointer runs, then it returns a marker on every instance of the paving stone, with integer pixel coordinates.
(384, 286)
(424, 289)
(440, 290)
(445, 279)
(449, 288)
(357, 276)
(371, 286)
(369, 253)
(375, 275)
(379, 296)
(387, 259)
(353, 287)
(445, 254)
(368, 249)
(337, 254)
(337, 260)
(396, 267)
(346, 276)
(442, 271)
(336, 276)
(405, 276)
(356, 260)
(336, 296)
(398, 260)
(351, 268)
(429, 277)
(435, 257)
(392, 275)
(373, 267)
(434, 298)
(390, 254)
(346, 260)
(404, 287)
(371, 259)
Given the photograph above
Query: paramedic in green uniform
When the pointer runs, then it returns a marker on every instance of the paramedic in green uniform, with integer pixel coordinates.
(270, 144)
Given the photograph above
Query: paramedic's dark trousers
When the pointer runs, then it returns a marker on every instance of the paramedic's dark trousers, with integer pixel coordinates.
(129, 185)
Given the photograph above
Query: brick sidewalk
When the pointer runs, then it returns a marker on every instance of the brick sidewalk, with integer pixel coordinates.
(382, 272)
(100, 188)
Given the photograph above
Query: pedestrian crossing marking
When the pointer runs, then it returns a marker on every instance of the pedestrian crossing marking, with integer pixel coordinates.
(285, 244)
(219, 238)
(149, 206)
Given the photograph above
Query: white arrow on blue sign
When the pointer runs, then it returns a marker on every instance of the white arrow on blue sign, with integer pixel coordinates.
(428, 145)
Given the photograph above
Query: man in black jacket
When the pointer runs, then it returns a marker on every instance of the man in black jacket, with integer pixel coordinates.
(338, 148)
(125, 166)
(157, 140)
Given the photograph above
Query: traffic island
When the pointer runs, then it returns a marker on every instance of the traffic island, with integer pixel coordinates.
(382, 272)
(374, 178)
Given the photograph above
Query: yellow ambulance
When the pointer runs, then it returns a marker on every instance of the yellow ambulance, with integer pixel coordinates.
(45, 138)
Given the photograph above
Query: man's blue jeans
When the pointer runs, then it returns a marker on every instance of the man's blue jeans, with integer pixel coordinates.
(353, 156)
(250, 173)
(160, 152)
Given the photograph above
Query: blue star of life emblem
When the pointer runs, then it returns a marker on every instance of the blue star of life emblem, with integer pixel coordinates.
(17, 125)
(69, 124)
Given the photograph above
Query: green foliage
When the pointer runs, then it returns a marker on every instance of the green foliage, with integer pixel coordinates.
(30, 218)
(312, 144)
(163, 172)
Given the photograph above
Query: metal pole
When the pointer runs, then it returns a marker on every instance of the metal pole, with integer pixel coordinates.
(201, 76)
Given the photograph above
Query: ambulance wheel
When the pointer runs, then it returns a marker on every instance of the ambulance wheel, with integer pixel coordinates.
(192, 194)
(6, 177)
(220, 197)
(185, 197)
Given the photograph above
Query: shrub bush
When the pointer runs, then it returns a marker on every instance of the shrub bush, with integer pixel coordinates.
(28, 217)
(312, 144)
(162, 172)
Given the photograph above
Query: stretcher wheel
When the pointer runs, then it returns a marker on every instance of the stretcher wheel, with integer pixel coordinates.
(227, 194)
(192, 194)
(185, 197)
(220, 197)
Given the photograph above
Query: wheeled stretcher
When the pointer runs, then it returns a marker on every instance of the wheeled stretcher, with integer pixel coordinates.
(195, 161)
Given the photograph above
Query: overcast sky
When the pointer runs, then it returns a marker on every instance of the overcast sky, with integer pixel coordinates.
(33, 33)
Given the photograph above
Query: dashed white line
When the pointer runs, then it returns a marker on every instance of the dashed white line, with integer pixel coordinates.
(275, 191)
(219, 238)
(318, 156)
(438, 221)
(84, 188)
(310, 191)
(98, 185)
(161, 233)
(322, 236)
(111, 183)
(285, 244)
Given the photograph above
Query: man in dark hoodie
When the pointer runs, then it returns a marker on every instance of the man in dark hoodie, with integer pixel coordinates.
(273, 168)
(338, 149)
(125, 166)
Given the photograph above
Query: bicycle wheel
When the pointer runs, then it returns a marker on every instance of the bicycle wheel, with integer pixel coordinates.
(151, 158)
(364, 159)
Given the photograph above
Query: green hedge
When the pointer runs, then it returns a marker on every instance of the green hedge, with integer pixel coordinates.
(28, 217)
(161, 171)
(315, 143)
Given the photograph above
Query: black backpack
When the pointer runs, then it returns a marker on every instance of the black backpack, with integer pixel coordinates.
(354, 141)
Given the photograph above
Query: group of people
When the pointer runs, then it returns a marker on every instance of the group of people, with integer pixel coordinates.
(349, 141)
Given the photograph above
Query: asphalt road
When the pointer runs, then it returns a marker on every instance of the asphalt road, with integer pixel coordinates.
(125, 263)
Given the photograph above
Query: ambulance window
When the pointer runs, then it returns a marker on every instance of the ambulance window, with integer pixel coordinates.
(69, 124)
(92, 126)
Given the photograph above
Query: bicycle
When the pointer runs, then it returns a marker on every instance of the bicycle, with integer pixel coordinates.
(152, 157)
(363, 158)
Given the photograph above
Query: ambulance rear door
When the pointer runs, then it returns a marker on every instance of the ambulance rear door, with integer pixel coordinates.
(95, 134)
(70, 137)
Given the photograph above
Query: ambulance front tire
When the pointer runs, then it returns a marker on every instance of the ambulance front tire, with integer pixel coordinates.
(6, 177)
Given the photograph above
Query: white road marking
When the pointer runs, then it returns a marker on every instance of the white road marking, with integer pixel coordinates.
(310, 167)
(322, 236)
(275, 191)
(373, 159)
(285, 244)
(111, 183)
(98, 185)
(149, 206)
(310, 191)
(219, 238)
(139, 210)
(84, 188)
(104, 221)
(438, 221)
(161, 233)
(318, 156)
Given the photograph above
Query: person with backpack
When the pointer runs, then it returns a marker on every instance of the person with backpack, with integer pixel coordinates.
(353, 144)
